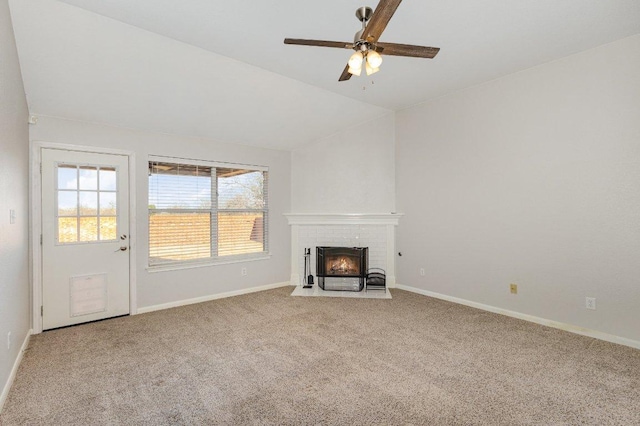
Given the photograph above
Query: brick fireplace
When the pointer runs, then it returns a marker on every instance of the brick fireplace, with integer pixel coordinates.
(377, 232)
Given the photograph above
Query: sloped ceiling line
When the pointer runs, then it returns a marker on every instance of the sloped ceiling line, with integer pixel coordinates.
(220, 70)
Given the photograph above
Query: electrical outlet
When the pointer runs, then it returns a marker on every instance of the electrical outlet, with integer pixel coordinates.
(8, 340)
(422, 271)
(243, 271)
(513, 288)
(590, 303)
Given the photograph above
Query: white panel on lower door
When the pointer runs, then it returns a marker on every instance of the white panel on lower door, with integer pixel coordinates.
(88, 294)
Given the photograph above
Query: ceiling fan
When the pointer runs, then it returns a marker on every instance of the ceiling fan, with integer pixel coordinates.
(365, 42)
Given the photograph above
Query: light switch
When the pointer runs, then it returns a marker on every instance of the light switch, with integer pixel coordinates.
(12, 216)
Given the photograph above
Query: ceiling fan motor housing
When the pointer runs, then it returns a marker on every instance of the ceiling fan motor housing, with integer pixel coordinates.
(364, 13)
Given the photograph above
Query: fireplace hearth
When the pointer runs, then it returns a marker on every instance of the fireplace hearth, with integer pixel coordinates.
(341, 268)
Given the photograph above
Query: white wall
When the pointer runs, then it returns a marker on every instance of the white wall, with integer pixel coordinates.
(14, 195)
(530, 179)
(349, 172)
(171, 286)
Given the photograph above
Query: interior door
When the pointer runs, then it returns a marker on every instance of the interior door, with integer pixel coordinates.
(85, 237)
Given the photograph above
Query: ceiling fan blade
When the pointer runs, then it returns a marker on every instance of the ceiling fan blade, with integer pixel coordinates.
(346, 75)
(380, 19)
(396, 49)
(320, 43)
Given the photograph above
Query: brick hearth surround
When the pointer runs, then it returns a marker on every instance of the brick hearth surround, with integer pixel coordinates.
(376, 231)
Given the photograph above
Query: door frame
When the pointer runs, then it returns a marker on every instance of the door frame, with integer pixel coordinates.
(36, 223)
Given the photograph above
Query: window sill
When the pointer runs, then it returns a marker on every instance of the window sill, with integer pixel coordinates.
(179, 266)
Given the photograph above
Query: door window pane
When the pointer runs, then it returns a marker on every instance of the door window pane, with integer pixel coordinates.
(67, 177)
(108, 228)
(88, 203)
(67, 203)
(88, 177)
(107, 179)
(67, 229)
(107, 203)
(88, 229)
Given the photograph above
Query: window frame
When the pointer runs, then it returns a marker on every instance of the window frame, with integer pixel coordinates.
(214, 259)
(79, 215)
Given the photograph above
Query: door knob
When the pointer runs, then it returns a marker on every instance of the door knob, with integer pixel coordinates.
(123, 248)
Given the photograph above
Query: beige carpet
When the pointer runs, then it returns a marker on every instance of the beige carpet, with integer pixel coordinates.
(268, 358)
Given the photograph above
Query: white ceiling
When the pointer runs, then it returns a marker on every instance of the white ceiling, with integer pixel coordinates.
(233, 79)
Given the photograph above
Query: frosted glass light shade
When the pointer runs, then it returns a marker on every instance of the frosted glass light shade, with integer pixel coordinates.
(355, 61)
(370, 70)
(355, 71)
(374, 59)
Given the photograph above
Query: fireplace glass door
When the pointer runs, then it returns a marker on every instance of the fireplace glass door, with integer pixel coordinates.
(341, 268)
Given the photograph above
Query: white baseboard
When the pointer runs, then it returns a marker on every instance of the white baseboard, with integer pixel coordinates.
(542, 321)
(207, 298)
(14, 370)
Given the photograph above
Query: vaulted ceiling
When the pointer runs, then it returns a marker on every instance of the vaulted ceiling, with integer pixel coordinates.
(219, 69)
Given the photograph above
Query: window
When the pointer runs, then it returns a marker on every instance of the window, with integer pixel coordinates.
(206, 212)
(86, 199)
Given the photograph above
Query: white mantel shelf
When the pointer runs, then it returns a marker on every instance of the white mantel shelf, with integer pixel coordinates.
(343, 219)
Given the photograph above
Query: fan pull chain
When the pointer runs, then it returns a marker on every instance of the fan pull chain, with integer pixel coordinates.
(365, 87)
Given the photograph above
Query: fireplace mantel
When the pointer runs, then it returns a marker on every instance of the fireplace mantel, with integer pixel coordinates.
(343, 218)
(376, 230)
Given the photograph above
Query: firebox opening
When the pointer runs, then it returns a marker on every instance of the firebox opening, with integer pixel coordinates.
(342, 266)
(345, 263)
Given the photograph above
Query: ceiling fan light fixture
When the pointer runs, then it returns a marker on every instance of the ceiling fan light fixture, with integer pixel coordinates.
(355, 61)
(371, 70)
(374, 59)
(355, 71)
